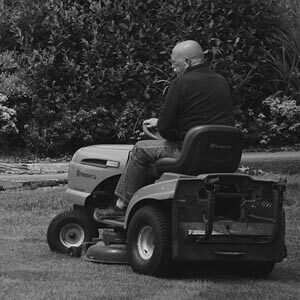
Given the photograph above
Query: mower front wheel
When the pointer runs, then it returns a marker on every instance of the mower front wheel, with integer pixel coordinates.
(70, 229)
(149, 241)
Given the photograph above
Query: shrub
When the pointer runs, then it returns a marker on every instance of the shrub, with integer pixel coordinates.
(7, 121)
(14, 88)
(283, 121)
(129, 122)
(277, 124)
(285, 59)
(93, 66)
(12, 77)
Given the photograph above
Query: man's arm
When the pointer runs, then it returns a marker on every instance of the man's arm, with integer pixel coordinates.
(167, 122)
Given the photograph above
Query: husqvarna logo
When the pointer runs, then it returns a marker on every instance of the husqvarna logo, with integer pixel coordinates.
(216, 146)
(86, 175)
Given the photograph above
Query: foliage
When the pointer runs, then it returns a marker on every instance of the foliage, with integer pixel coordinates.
(7, 120)
(285, 59)
(16, 97)
(12, 77)
(284, 120)
(132, 115)
(277, 124)
(94, 67)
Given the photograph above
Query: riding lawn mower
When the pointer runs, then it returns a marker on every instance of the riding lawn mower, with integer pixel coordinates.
(195, 208)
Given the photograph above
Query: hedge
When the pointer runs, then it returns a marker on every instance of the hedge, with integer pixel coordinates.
(92, 70)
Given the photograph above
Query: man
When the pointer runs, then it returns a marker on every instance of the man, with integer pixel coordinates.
(196, 97)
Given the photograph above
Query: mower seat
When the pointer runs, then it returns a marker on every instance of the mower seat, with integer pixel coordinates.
(206, 149)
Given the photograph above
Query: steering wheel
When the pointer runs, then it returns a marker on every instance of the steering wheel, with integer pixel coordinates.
(152, 133)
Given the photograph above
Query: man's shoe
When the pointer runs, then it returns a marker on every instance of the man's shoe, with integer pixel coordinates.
(113, 212)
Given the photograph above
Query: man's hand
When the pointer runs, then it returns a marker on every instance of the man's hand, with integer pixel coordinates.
(150, 123)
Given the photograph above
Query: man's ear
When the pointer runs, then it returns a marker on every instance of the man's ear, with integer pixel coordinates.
(187, 63)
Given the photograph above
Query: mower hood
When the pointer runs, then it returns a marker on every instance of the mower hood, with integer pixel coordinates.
(101, 151)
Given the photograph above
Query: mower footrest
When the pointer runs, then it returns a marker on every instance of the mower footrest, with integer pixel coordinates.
(113, 222)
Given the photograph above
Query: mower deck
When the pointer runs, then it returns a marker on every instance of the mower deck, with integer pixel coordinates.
(110, 254)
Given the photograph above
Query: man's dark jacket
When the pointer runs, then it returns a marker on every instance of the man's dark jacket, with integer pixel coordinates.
(198, 97)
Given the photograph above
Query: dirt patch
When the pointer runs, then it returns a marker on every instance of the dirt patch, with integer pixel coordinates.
(32, 176)
(35, 168)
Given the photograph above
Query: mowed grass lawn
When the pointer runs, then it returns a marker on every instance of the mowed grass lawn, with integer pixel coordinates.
(29, 270)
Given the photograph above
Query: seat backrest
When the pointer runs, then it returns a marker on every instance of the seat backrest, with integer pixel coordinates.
(206, 149)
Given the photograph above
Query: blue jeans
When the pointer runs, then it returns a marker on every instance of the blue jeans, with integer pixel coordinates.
(144, 153)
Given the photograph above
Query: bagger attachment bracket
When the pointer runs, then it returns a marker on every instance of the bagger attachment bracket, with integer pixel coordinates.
(228, 212)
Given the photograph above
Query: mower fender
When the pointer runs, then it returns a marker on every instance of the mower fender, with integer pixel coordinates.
(159, 191)
(75, 197)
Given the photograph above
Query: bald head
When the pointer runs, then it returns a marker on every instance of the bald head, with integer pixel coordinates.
(189, 49)
(186, 54)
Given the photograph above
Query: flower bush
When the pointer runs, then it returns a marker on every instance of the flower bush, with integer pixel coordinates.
(282, 118)
(277, 124)
(7, 121)
(16, 98)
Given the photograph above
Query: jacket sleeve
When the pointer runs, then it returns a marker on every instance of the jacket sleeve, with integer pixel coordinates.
(167, 121)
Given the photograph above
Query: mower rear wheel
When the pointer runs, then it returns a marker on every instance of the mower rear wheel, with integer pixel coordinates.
(149, 241)
(70, 229)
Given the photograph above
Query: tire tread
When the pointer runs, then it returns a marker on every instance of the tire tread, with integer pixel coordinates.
(75, 215)
(162, 220)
